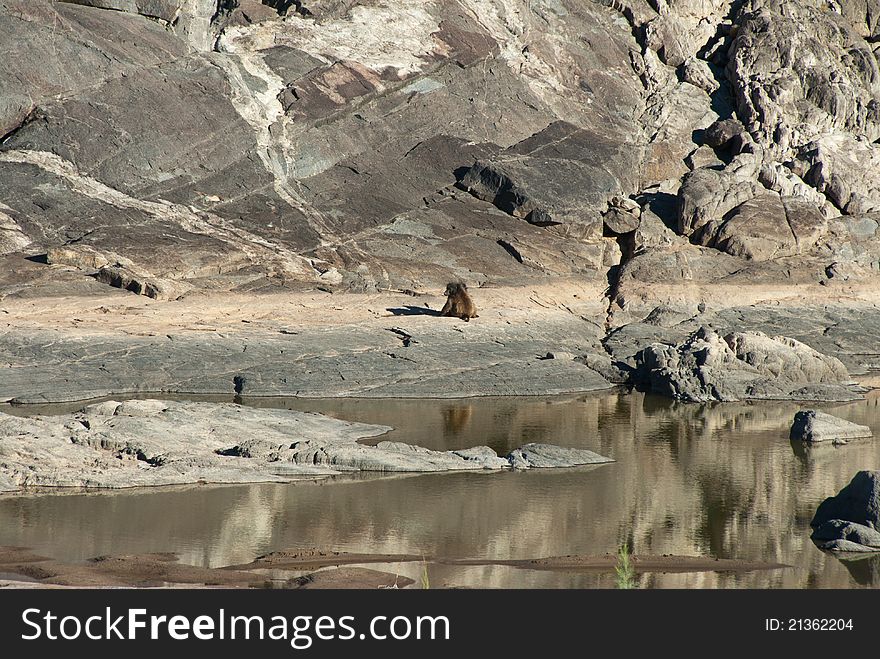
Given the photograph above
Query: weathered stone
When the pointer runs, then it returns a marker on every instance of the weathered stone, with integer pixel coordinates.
(698, 73)
(858, 502)
(768, 226)
(441, 360)
(720, 133)
(557, 176)
(742, 365)
(190, 19)
(815, 426)
(840, 535)
(707, 195)
(673, 117)
(704, 156)
(792, 84)
(151, 442)
(547, 455)
(843, 168)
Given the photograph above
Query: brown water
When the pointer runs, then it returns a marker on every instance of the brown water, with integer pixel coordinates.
(703, 480)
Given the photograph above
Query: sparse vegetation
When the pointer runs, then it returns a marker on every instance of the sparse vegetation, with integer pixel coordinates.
(426, 583)
(625, 574)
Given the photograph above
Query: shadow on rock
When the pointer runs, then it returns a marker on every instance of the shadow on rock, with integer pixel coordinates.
(411, 310)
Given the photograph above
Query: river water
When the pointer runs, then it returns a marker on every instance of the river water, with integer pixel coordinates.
(717, 480)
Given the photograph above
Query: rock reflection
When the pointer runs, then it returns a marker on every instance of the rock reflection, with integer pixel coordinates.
(455, 419)
(864, 568)
(719, 480)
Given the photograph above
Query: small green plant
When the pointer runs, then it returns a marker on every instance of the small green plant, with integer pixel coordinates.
(426, 583)
(624, 573)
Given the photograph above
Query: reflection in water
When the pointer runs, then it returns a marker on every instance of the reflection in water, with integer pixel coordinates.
(864, 568)
(455, 419)
(714, 480)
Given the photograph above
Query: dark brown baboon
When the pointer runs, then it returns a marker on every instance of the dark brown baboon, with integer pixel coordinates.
(458, 303)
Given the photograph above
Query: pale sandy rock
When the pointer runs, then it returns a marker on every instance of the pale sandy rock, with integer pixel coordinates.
(816, 426)
(153, 442)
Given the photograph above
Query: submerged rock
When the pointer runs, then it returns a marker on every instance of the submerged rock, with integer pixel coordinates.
(741, 365)
(548, 455)
(815, 426)
(849, 521)
(152, 442)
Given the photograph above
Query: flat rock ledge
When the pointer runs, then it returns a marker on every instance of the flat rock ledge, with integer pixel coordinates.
(153, 442)
(707, 367)
(815, 426)
(848, 522)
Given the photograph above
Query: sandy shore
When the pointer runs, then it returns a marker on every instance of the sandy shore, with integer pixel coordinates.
(151, 570)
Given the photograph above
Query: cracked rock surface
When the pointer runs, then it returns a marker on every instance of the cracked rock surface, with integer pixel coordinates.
(154, 442)
(660, 165)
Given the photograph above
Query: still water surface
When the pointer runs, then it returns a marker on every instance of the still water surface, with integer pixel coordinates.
(702, 480)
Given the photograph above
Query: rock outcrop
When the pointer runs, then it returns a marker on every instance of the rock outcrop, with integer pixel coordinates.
(741, 365)
(849, 520)
(703, 157)
(154, 442)
(815, 426)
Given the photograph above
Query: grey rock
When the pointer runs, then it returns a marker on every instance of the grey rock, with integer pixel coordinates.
(722, 132)
(613, 371)
(623, 216)
(673, 117)
(810, 95)
(783, 98)
(768, 226)
(815, 426)
(281, 101)
(707, 195)
(444, 360)
(739, 366)
(153, 442)
(561, 354)
(668, 38)
(190, 19)
(547, 455)
(557, 176)
(845, 546)
(841, 535)
(843, 168)
(697, 72)
(704, 156)
(482, 455)
(858, 502)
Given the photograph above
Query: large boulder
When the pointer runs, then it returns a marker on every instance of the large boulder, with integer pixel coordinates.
(707, 194)
(815, 426)
(741, 365)
(858, 502)
(768, 226)
(849, 521)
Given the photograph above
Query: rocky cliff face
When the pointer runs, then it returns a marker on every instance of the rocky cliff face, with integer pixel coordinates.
(683, 158)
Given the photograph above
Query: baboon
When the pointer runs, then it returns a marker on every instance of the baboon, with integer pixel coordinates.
(458, 303)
